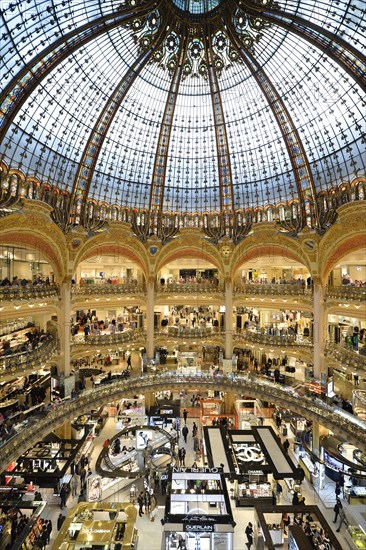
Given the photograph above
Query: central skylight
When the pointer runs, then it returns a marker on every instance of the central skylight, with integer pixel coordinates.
(197, 7)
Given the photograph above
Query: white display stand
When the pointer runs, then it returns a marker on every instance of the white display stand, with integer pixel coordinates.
(188, 363)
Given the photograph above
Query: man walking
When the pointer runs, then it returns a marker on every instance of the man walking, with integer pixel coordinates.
(185, 432)
(140, 501)
(185, 414)
(336, 509)
(249, 534)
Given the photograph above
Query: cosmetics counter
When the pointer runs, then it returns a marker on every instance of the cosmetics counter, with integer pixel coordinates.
(107, 526)
(198, 515)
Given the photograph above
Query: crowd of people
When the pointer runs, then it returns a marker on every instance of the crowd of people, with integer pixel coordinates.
(23, 282)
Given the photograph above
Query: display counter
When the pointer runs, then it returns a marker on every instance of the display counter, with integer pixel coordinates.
(198, 512)
(98, 526)
(356, 537)
(357, 495)
(248, 493)
(101, 488)
(310, 470)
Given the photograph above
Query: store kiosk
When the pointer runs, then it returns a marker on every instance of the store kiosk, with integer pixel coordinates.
(103, 525)
(198, 514)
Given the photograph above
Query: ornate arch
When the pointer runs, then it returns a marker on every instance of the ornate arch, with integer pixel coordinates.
(189, 244)
(348, 235)
(117, 241)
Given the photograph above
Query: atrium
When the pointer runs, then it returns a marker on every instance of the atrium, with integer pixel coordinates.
(182, 228)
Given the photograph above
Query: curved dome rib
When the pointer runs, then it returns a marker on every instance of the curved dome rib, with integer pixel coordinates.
(28, 78)
(225, 178)
(95, 141)
(348, 57)
(296, 151)
(161, 156)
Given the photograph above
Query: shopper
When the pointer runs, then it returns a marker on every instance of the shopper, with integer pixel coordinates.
(185, 414)
(185, 432)
(295, 499)
(341, 482)
(129, 362)
(285, 520)
(278, 492)
(74, 484)
(336, 509)
(342, 519)
(140, 502)
(63, 497)
(249, 534)
(182, 456)
(194, 429)
(286, 445)
(49, 530)
(60, 521)
(337, 489)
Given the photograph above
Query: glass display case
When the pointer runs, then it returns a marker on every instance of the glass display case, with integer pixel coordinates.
(357, 535)
(249, 493)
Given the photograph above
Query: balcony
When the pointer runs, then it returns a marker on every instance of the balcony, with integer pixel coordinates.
(206, 287)
(190, 333)
(346, 357)
(17, 363)
(272, 340)
(348, 292)
(272, 290)
(347, 426)
(81, 341)
(29, 292)
(107, 290)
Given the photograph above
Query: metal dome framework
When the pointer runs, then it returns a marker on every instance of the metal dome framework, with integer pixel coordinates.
(165, 109)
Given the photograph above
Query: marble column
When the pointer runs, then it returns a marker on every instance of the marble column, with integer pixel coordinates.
(228, 319)
(64, 329)
(150, 320)
(319, 329)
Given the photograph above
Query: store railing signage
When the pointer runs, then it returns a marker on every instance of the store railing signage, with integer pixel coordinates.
(201, 528)
(180, 470)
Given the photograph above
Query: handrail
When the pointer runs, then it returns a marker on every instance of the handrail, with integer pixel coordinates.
(347, 292)
(28, 292)
(18, 362)
(284, 340)
(340, 422)
(345, 356)
(91, 290)
(129, 335)
(190, 288)
(273, 290)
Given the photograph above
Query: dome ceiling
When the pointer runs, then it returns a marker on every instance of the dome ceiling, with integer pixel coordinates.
(184, 105)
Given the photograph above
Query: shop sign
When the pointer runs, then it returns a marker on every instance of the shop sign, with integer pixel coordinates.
(94, 531)
(201, 528)
(255, 472)
(178, 470)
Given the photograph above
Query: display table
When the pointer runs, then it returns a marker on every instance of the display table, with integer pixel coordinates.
(248, 494)
(276, 536)
(357, 495)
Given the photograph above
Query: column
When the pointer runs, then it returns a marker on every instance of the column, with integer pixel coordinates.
(150, 319)
(319, 329)
(228, 319)
(64, 328)
(229, 403)
(318, 431)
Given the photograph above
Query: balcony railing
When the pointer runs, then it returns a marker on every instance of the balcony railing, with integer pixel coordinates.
(272, 290)
(124, 337)
(191, 333)
(107, 289)
(29, 292)
(357, 293)
(19, 362)
(347, 426)
(347, 357)
(190, 288)
(284, 340)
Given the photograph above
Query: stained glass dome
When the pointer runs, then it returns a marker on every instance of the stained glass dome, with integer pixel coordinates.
(184, 105)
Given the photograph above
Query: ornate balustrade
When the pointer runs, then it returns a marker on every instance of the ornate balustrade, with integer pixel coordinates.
(191, 333)
(19, 362)
(29, 292)
(346, 357)
(107, 289)
(190, 288)
(357, 293)
(125, 337)
(285, 340)
(272, 290)
(343, 424)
